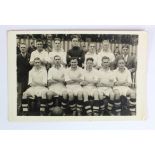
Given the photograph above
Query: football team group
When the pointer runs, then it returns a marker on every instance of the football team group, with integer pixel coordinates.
(54, 82)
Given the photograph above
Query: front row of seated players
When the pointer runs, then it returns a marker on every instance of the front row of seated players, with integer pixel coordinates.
(78, 91)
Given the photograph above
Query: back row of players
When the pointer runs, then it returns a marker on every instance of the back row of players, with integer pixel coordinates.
(74, 85)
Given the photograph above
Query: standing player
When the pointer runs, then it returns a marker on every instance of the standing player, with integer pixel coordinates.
(89, 88)
(122, 89)
(38, 83)
(56, 80)
(105, 51)
(57, 50)
(76, 52)
(40, 53)
(73, 78)
(91, 54)
(105, 84)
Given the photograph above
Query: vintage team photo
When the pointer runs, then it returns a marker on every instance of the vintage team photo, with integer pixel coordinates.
(76, 74)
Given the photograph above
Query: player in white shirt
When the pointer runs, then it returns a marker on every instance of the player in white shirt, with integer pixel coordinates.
(91, 54)
(122, 89)
(89, 88)
(105, 84)
(40, 53)
(57, 50)
(73, 78)
(38, 83)
(105, 51)
(56, 84)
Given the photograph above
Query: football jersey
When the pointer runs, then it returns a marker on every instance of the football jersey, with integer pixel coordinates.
(39, 76)
(106, 76)
(107, 54)
(55, 73)
(61, 53)
(74, 74)
(43, 55)
(91, 55)
(90, 75)
(124, 76)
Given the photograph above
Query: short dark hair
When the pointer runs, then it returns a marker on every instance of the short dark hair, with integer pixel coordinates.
(125, 46)
(121, 58)
(39, 40)
(57, 39)
(36, 58)
(105, 57)
(75, 36)
(22, 44)
(73, 58)
(56, 56)
(89, 59)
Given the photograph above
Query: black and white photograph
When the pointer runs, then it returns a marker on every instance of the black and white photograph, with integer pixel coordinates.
(76, 73)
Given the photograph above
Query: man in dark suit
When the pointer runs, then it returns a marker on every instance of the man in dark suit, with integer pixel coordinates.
(23, 68)
(130, 60)
(76, 52)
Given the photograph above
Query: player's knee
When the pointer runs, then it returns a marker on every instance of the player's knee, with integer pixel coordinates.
(80, 95)
(43, 94)
(49, 94)
(117, 94)
(96, 95)
(101, 96)
(111, 95)
(133, 94)
(71, 96)
(64, 94)
(24, 95)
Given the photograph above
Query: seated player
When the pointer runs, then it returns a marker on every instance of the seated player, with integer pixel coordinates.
(89, 88)
(91, 54)
(40, 53)
(122, 89)
(73, 78)
(105, 84)
(56, 85)
(38, 83)
(57, 50)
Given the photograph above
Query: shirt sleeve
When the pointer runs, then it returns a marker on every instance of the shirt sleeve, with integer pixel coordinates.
(129, 77)
(82, 74)
(64, 57)
(50, 74)
(45, 76)
(30, 77)
(112, 57)
(67, 78)
(32, 57)
(99, 60)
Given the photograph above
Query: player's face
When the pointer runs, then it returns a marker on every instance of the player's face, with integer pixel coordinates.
(75, 42)
(39, 46)
(121, 64)
(89, 64)
(37, 63)
(57, 44)
(57, 60)
(125, 51)
(116, 52)
(91, 47)
(23, 49)
(74, 63)
(105, 63)
(105, 46)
